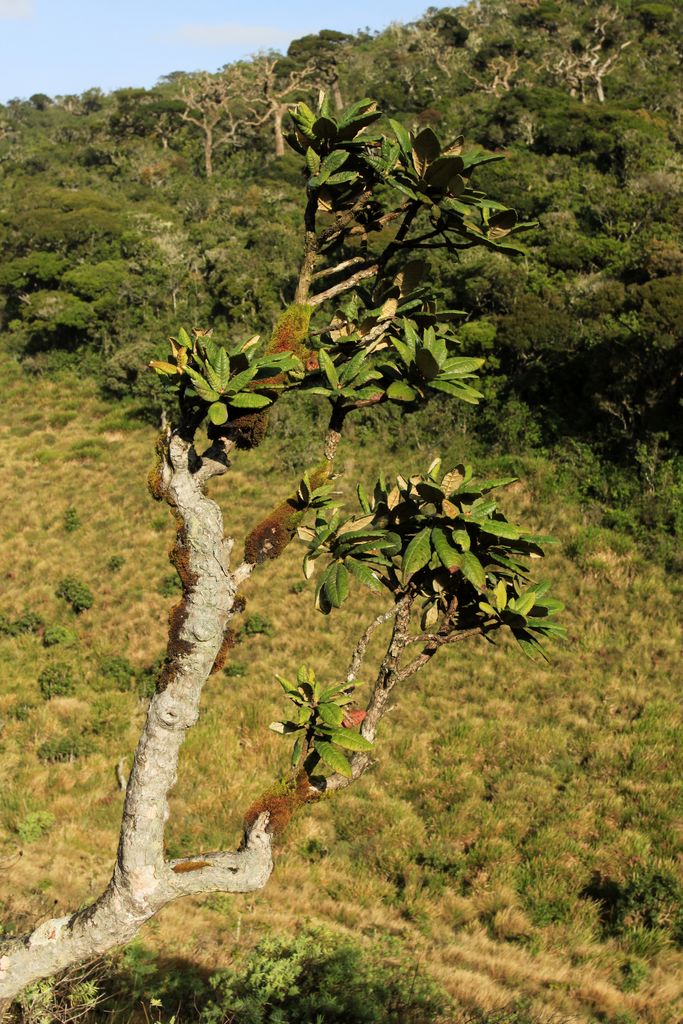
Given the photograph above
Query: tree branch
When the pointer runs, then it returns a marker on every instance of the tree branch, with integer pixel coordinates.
(344, 286)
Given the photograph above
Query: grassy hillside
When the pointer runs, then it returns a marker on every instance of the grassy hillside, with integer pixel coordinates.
(517, 838)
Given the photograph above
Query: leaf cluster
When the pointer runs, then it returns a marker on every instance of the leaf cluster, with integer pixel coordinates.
(321, 723)
(443, 540)
(222, 382)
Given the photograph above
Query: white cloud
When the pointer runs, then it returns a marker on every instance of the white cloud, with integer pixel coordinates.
(228, 34)
(16, 8)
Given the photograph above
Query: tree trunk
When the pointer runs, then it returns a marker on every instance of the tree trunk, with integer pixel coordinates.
(208, 150)
(599, 90)
(336, 93)
(280, 112)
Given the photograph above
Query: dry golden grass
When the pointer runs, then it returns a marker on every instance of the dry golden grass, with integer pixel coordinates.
(502, 787)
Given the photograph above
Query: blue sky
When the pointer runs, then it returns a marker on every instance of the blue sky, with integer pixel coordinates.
(67, 46)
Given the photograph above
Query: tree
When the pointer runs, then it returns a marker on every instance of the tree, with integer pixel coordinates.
(221, 106)
(281, 79)
(323, 52)
(583, 66)
(363, 330)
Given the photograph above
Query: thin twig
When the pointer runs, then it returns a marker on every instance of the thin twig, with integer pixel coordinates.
(362, 645)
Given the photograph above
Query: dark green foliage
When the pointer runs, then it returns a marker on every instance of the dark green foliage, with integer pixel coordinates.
(59, 635)
(440, 539)
(75, 593)
(27, 622)
(56, 681)
(319, 975)
(20, 711)
(72, 520)
(314, 976)
(235, 669)
(118, 670)
(256, 625)
(115, 563)
(170, 586)
(64, 750)
(649, 899)
(322, 724)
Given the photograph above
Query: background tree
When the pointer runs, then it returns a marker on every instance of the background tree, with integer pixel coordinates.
(364, 330)
(325, 53)
(281, 81)
(221, 106)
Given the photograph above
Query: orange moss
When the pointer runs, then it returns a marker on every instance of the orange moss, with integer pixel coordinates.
(272, 535)
(190, 865)
(222, 656)
(282, 804)
(176, 648)
(179, 555)
(247, 431)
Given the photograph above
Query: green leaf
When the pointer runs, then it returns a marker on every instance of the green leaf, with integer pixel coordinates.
(465, 394)
(296, 751)
(218, 413)
(221, 367)
(426, 149)
(331, 714)
(249, 400)
(350, 740)
(328, 368)
(443, 170)
(472, 569)
(418, 552)
(336, 159)
(336, 584)
(427, 364)
(184, 338)
(324, 128)
(333, 758)
(364, 574)
(399, 391)
(201, 386)
(402, 136)
(448, 555)
(499, 528)
(165, 369)
(312, 160)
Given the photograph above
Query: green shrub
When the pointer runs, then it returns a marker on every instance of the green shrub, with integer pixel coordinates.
(115, 563)
(75, 593)
(315, 976)
(170, 585)
(34, 826)
(20, 711)
(64, 750)
(59, 635)
(320, 976)
(119, 671)
(235, 669)
(28, 622)
(146, 680)
(256, 625)
(55, 681)
(72, 520)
